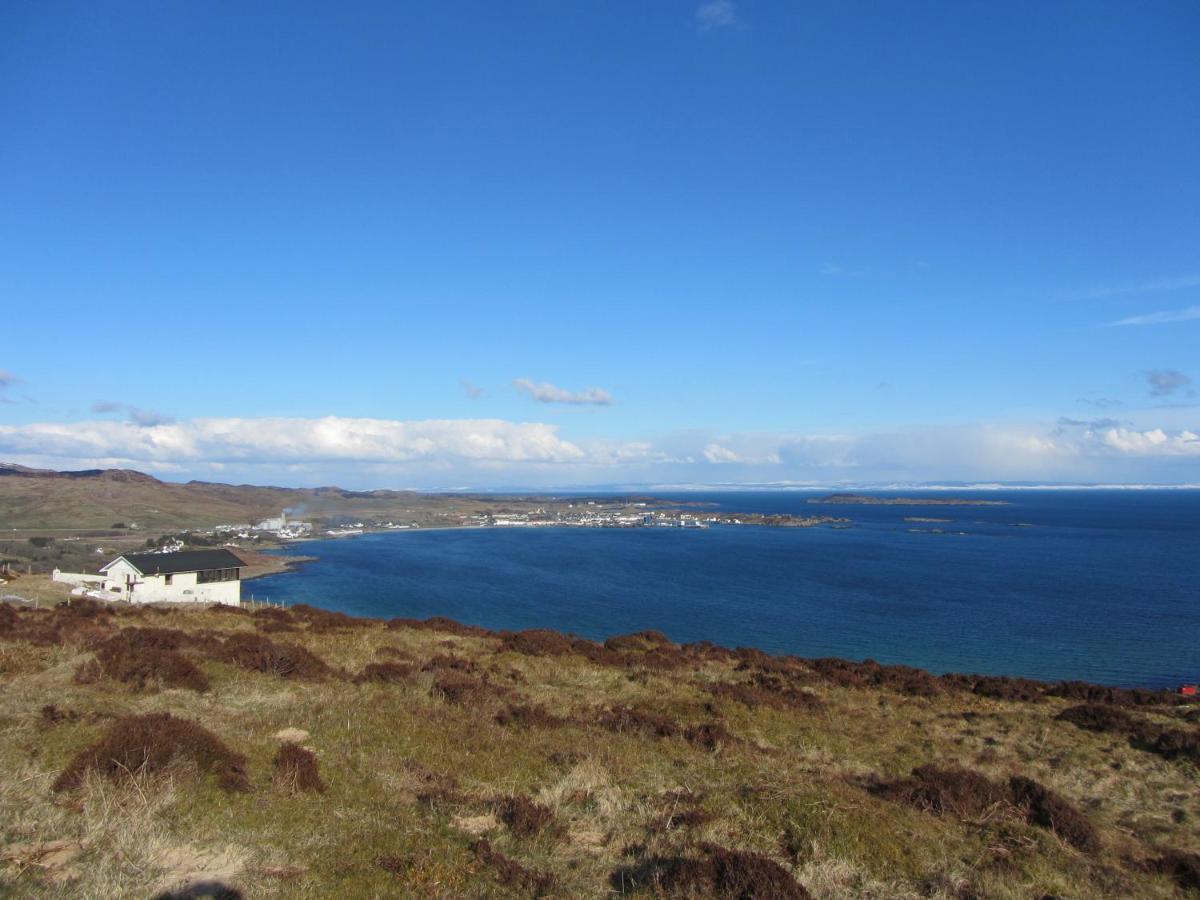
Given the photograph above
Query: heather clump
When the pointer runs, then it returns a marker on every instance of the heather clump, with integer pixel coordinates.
(296, 769)
(384, 673)
(526, 715)
(718, 873)
(527, 819)
(260, 654)
(628, 720)
(154, 743)
(511, 873)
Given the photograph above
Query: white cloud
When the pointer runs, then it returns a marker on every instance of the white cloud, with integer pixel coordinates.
(1151, 286)
(717, 14)
(472, 390)
(1161, 318)
(545, 392)
(715, 453)
(285, 440)
(1154, 442)
(1149, 445)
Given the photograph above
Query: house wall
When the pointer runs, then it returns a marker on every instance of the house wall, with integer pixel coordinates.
(124, 583)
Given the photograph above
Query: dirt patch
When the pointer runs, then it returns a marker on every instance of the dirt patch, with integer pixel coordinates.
(296, 769)
(55, 860)
(475, 825)
(193, 872)
(154, 743)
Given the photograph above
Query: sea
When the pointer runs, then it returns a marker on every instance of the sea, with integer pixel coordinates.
(1098, 585)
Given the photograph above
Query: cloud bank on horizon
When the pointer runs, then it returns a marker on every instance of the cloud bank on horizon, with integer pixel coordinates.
(482, 453)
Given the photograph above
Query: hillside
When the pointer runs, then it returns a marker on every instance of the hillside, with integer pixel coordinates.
(295, 753)
(95, 499)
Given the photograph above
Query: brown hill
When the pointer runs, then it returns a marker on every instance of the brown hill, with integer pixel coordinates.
(44, 499)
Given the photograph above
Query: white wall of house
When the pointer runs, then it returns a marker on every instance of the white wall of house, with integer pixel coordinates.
(123, 582)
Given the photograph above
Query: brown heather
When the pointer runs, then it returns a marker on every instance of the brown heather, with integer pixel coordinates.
(155, 752)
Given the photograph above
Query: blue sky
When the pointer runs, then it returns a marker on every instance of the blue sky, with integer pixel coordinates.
(444, 244)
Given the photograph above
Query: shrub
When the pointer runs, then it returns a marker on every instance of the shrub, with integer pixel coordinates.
(1095, 717)
(512, 873)
(383, 673)
(959, 792)
(432, 788)
(522, 715)
(1049, 810)
(88, 672)
(709, 735)
(259, 654)
(1181, 866)
(146, 669)
(680, 819)
(463, 689)
(146, 657)
(766, 690)
(537, 642)
(152, 743)
(720, 873)
(448, 662)
(527, 819)
(296, 769)
(642, 640)
(627, 720)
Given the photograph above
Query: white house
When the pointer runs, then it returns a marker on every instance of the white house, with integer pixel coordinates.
(188, 576)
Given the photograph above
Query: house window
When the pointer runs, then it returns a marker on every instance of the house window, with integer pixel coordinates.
(167, 579)
(210, 575)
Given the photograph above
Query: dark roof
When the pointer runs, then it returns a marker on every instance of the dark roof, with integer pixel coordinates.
(182, 561)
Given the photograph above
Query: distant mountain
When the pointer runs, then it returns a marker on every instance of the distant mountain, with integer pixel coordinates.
(98, 498)
(126, 475)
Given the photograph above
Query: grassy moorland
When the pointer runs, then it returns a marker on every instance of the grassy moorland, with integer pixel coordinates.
(148, 752)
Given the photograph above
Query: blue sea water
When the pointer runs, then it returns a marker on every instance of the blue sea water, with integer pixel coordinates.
(1097, 585)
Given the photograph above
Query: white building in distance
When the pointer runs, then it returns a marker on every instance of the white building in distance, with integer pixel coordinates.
(188, 576)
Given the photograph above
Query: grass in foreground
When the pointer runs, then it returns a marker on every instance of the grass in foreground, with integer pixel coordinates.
(149, 752)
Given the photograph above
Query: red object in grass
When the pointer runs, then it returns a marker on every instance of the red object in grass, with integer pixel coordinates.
(1189, 690)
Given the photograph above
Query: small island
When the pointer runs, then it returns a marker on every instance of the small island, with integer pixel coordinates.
(871, 500)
